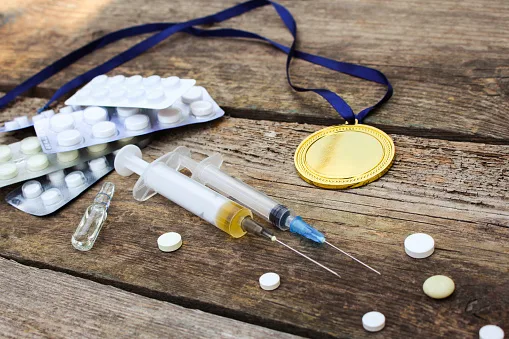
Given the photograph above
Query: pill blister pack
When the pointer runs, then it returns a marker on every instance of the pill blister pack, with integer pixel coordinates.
(152, 92)
(96, 125)
(24, 160)
(24, 121)
(49, 193)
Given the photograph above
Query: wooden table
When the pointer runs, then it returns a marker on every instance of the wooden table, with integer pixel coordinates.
(448, 61)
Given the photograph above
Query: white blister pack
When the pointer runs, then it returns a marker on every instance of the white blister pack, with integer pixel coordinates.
(96, 125)
(25, 160)
(24, 121)
(153, 92)
(49, 193)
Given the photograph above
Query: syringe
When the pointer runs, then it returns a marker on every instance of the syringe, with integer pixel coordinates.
(208, 173)
(162, 176)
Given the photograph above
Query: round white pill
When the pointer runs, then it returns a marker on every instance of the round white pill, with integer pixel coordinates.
(56, 177)
(61, 122)
(171, 82)
(99, 80)
(31, 189)
(84, 92)
(104, 129)
(22, 121)
(491, 332)
(48, 114)
(373, 321)
(269, 281)
(137, 122)
(155, 96)
(74, 179)
(30, 145)
(5, 153)
(419, 245)
(68, 156)
(100, 93)
(169, 115)
(70, 137)
(8, 171)
(10, 125)
(194, 94)
(51, 197)
(97, 148)
(169, 242)
(136, 95)
(125, 112)
(95, 114)
(152, 81)
(37, 162)
(118, 94)
(201, 108)
(135, 80)
(116, 80)
(66, 110)
(98, 164)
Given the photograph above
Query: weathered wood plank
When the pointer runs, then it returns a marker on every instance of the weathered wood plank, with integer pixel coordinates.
(447, 60)
(454, 191)
(42, 303)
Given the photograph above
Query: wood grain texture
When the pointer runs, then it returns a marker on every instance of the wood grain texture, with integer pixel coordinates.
(455, 191)
(448, 60)
(44, 304)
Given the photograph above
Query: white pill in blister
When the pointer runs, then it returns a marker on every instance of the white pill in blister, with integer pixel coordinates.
(48, 114)
(155, 96)
(491, 332)
(136, 95)
(169, 242)
(118, 94)
(100, 93)
(171, 82)
(38, 117)
(127, 111)
(373, 321)
(99, 80)
(60, 122)
(97, 148)
(70, 137)
(22, 121)
(66, 110)
(51, 197)
(5, 153)
(152, 81)
(137, 122)
(169, 115)
(31, 189)
(68, 156)
(104, 129)
(56, 177)
(194, 94)
(84, 92)
(8, 171)
(94, 114)
(135, 80)
(98, 164)
(74, 179)
(269, 281)
(37, 162)
(10, 125)
(419, 245)
(202, 108)
(116, 80)
(30, 145)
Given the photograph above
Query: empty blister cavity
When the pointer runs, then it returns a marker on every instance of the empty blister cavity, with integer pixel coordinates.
(5, 153)
(30, 145)
(202, 108)
(37, 162)
(68, 156)
(31, 189)
(95, 114)
(169, 115)
(194, 94)
(97, 148)
(104, 129)
(61, 122)
(137, 122)
(125, 112)
(8, 171)
(48, 193)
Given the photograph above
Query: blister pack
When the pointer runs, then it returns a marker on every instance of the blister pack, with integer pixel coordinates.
(24, 121)
(49, 193)
(25, 160)
(96, 125)
(153, 92)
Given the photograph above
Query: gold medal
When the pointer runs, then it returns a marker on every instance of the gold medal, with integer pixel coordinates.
(344, 156)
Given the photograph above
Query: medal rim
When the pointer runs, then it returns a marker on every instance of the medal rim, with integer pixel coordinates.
(311, 176)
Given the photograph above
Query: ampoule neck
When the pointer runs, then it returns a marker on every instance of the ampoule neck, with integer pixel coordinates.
(105, 194)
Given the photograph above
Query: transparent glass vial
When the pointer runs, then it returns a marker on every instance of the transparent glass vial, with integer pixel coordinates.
(95, 215)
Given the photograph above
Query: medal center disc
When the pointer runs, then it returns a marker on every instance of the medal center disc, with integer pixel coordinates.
(344, 155)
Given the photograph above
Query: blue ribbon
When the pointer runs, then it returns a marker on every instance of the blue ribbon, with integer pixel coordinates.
(167, 29)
